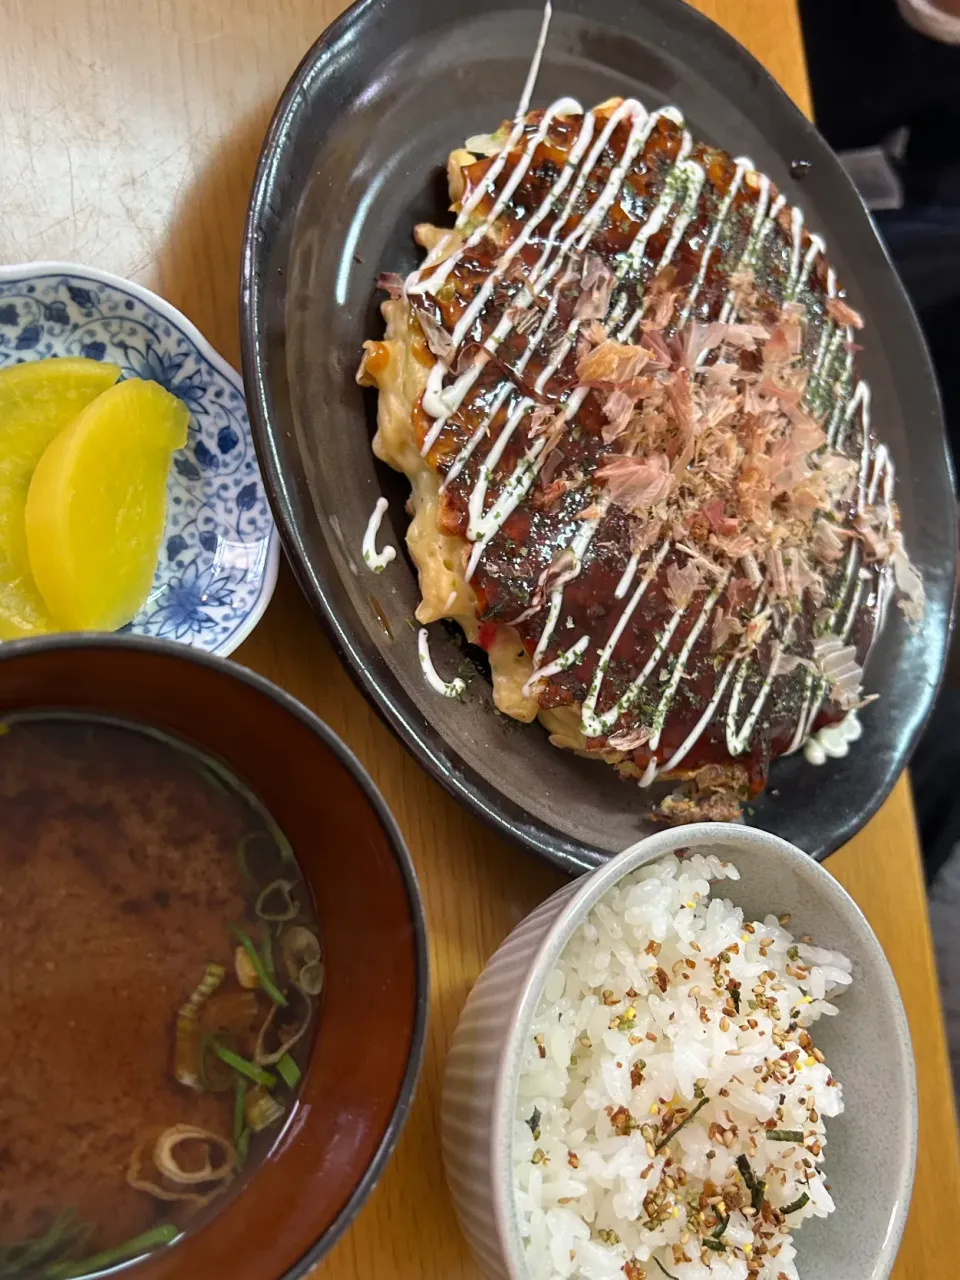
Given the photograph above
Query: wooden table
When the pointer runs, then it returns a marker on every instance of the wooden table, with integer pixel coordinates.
(129, 130)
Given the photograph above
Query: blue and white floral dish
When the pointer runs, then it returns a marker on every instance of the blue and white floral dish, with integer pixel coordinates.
(220, 551)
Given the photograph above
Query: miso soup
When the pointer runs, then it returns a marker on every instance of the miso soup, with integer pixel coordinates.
(160, 981)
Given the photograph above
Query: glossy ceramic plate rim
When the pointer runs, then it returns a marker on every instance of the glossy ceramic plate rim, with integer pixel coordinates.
(12, 649)
(54, 267)
(385, 691)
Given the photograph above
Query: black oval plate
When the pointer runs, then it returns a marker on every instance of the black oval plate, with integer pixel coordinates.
(353, 158)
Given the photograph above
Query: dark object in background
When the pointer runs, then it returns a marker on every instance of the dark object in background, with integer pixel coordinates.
(934, 772)
(925, 246)
(872, 75)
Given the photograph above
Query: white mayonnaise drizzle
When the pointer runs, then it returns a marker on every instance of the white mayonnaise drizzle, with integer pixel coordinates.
(523, 106)
(683, 657)
(800, 733)
(884, 594)
(479, 493)
(592, 725)
(553, 616)
(845, 408)
(739, 740)
(511, 495)
(568, 658)
(432, 403)
(687, 177)
(742, 164)
(629, 573)
(562, 107)
(446, 402)
(374, 559)
(816, 247)
(863, 392)
(674, 183)
(829, 330)
(696, 176)
(649, 773)
(442, 404)
(830, 378)
(764, 220)
(595, 724)
(449, 689)
(815, 689)
(679, 198)
(546, 204)
(833, 740)
(708, 713)
(639, 133)
(414, 283)
(796, 243)
(466, 453)
(842, 632)
(483, 527)
(579, 547)
(882, 469)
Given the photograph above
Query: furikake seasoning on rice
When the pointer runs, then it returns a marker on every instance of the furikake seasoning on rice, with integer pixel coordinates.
(671, 1106)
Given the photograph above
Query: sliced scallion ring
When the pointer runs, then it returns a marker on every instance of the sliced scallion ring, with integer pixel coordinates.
(137, 1179)
(286, 1037)
(310, 978)
(276, 902)
(300, 950)
(165, 1155)
(262, 1110)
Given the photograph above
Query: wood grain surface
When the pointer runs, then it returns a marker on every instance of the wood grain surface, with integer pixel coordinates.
(128, 137)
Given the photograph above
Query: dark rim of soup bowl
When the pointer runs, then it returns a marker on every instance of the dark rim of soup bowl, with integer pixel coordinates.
(16, 649)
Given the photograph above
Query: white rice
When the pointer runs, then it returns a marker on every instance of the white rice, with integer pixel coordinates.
(613, 1060)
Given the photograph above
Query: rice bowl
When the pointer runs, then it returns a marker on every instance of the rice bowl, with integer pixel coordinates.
(489, 1099)
(670, 1111)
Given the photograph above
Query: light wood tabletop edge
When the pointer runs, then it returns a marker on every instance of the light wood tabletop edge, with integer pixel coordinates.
(128, 139)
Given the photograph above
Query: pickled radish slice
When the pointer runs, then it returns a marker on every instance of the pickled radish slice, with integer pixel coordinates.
(97, 504)
(38, 400)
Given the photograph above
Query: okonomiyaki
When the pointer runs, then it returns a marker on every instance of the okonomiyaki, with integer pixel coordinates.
(623, 387)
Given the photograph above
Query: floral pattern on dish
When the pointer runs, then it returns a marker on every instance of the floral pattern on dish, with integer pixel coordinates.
(220, 551)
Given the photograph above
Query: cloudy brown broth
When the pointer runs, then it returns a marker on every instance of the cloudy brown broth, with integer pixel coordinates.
(132, 872)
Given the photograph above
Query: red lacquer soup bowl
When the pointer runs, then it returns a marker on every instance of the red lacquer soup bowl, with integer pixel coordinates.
(362, 1071)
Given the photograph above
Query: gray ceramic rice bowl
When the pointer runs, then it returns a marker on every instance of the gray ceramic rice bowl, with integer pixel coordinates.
(871, 1145)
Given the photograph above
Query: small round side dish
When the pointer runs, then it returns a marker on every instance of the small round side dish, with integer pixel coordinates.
(359, 1081)
(220, 550)
(871, 1145)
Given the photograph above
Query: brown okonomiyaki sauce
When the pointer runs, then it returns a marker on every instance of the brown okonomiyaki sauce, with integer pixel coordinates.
(135, 874)
(786, 263)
